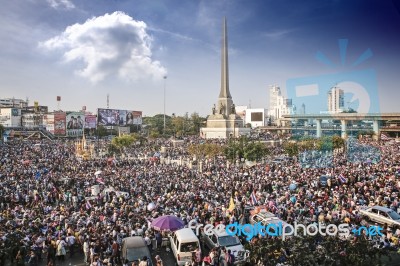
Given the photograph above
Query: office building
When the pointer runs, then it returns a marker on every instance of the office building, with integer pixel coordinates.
(335, 100)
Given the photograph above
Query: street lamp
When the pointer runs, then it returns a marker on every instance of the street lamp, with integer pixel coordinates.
(165, 81)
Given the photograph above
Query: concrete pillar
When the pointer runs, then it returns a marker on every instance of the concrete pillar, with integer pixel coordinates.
(344, 128)
(306, 123)
(375, 127)
(319, 130)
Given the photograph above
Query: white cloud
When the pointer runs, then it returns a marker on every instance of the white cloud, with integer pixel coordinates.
(277, 34)
(61, 4)
(113, 44)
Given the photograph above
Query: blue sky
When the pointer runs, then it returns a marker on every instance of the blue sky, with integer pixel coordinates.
(84, 50)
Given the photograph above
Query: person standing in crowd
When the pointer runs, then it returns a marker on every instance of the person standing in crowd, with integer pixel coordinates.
(158, 237)
(51, 253)
(33, 259)
(86, 251)
(148, 241)
(144, 261)
(70, 240)
(159, 261)
(61, 252)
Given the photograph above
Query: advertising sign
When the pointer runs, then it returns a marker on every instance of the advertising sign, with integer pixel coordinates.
(59, 123)
(75, 123)
(90, 121)
(134, 118)
(111, 117)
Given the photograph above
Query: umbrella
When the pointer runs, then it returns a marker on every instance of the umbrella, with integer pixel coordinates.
(167, 222)
(98, 172)
(292, 186)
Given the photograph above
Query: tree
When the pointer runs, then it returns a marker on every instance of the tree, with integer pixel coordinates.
(1, 132)
(123, 141)
(254, 151)
(315, 250)
(197, 121)
(244, 148)
(101, 131)
(338, 142)
(291, 148)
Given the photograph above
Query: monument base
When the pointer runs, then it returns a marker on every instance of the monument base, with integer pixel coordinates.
(221, 127)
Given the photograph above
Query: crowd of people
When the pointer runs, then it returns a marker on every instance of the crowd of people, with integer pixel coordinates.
(48, 212)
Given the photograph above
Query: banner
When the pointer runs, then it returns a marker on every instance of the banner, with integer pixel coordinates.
(90, 121)
(59, 123)
(134, 118)
(111, 117)
(75, 123)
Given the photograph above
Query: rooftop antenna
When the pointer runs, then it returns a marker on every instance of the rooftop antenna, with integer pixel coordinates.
(108, 101)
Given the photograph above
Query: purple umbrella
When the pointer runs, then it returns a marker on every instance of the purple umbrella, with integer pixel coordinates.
(167, 222)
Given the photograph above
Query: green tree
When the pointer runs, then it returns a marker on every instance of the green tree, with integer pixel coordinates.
(255, 151)
(338, 142)
(197, 122)
(315, 250)
(1, 132)
(291, 148)
(101, 131)
(123, 141)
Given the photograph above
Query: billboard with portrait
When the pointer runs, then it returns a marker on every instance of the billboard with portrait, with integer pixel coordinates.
(90, 121)
(111, 117)
(134, 117)
(75, 123)
(60, 123)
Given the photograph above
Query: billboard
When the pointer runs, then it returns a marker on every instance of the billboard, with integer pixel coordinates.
(90, 121)
(59, 123)
(134, 118)
(257, 116)
(75, 123)
(111, 117)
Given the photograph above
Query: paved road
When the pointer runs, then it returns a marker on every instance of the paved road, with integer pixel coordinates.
(77, 260)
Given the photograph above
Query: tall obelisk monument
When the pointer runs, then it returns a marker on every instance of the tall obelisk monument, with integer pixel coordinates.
(225, 99)
(224, 122)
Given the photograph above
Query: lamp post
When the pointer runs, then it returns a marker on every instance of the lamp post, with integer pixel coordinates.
(165, 81)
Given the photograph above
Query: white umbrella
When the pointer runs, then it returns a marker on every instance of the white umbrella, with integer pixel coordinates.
(98, 172)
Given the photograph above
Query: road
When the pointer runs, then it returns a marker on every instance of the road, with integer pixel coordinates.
(77, 260)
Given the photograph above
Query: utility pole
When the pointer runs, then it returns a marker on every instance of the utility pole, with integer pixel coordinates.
(165, 81)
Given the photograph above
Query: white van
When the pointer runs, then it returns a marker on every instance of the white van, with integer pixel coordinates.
(184, 243)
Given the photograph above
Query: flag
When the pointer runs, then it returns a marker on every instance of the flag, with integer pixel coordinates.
(342, 179)
(384, 136)
(100, 180)
(88, 205)
(253, 198)
(231, 205)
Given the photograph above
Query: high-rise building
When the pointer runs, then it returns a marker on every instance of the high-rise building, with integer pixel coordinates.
(278, 104)
(302, 110)
(335, 100)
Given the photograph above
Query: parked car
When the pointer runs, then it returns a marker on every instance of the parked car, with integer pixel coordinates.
(260, 215)
(381, 215)
(134, 249)
(184, 244)
(222, 239)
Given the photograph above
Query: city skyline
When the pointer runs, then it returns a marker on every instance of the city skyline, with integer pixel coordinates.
(84, 51)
